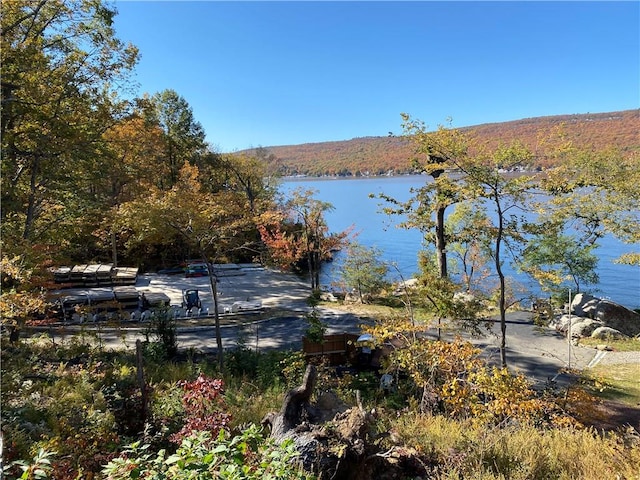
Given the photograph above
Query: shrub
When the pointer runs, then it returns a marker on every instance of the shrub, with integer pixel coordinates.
(39, 468)
(316, 328)
(200, 456)
(163, 330)
(204, 407)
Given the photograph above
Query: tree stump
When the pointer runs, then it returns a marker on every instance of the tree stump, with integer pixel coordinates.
(335, 441)
(295, 407)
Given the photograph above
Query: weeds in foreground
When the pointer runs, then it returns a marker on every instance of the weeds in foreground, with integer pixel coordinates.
(84, 404)
(465, 449)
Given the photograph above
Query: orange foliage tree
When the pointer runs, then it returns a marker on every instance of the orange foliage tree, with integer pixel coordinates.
(297, 233)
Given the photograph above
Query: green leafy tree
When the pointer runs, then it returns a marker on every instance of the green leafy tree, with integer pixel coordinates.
(60, 62)
(363, 271)
(506, 195)
(316, 327)
(439, 154)
(207, 223)
(435, 153)
(441, 298)
(597, 192)
(184, 137)
(126, 171)
(468, 228)
(250, 177)
(553, 258)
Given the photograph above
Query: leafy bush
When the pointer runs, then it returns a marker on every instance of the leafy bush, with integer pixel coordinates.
(201, 456)
(164, 333)
(39, 468)
(316, 327)
(204, 407)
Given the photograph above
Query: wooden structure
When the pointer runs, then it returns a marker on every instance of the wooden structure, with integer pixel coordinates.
(101, 301)
(95, 275)
(338, 349)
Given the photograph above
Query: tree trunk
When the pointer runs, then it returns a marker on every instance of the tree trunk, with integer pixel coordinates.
(142, 384)
(213, 286)
(335, 441)
(31, 205)
(316, 271)
(114, 249)
(502, 301)
(441, 242)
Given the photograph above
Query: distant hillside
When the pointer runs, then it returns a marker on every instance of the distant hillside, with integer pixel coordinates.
(380, 155)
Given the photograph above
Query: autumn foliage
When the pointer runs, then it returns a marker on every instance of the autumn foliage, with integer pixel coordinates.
(203, 402)
(381, 155)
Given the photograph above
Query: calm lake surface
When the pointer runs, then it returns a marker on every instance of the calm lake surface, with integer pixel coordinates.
(354, 208)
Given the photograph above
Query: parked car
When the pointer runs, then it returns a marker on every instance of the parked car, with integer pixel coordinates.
(198, 269)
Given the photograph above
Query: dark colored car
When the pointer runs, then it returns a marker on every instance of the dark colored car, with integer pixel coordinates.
(196, 270)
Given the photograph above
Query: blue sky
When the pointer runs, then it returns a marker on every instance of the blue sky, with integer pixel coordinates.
(281, 73)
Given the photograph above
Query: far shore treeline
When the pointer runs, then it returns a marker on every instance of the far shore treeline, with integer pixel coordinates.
(376, 156)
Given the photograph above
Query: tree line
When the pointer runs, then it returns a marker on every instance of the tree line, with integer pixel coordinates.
(93, 173)
(378, 156)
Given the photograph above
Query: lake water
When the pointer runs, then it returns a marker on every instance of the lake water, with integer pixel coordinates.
(354, 208)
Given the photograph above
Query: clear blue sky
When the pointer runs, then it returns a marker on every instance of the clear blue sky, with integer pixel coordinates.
(281, 73)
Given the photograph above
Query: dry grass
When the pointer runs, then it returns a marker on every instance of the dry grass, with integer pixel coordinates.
(620, 383)
(466, 450)
(626, 345)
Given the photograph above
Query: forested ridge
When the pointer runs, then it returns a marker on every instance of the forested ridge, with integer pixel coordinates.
(393, 154)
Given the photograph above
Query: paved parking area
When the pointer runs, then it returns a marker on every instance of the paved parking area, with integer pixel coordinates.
(273, 288)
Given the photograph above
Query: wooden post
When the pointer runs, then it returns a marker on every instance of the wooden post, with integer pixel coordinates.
(141, 381)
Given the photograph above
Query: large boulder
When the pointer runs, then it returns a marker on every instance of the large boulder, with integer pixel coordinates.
(607, 333)
(583, 305)
(328, 297)
(609, 313)
(584, 327)
(618, 317)
(561, 323)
